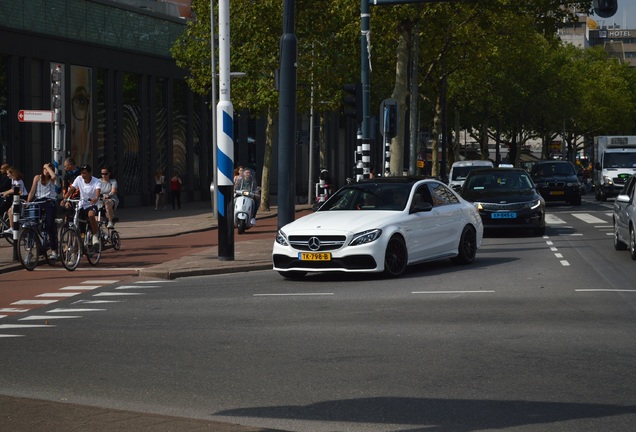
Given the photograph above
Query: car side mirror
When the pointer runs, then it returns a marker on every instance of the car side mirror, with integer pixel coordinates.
(422, 207)
(622, 198)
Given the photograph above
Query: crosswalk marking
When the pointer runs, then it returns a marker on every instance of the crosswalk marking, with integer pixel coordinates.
(588, 218)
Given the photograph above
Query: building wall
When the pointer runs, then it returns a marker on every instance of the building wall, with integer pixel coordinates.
(125, 103)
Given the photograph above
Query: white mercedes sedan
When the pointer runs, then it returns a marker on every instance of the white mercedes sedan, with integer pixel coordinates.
(380, 225)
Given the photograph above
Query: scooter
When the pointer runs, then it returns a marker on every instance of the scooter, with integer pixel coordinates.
(244, 202)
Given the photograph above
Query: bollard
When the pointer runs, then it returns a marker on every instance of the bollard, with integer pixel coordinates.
(16, 221)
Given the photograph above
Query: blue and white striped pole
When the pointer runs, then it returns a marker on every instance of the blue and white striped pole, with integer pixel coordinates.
(225, 140)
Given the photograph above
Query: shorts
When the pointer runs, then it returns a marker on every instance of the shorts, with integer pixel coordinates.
(158, 189)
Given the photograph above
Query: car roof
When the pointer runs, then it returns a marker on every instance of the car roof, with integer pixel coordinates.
(497, 170)
(394, 180)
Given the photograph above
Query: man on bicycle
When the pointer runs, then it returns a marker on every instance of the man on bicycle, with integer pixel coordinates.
(89, 189)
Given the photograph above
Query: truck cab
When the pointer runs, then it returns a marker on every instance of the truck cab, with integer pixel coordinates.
(614, 164)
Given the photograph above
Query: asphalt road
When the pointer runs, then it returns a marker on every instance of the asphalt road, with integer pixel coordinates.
(536, 335)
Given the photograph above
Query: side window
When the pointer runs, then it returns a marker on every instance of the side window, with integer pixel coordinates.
(629, 189)
(422, 195)
(441, 195)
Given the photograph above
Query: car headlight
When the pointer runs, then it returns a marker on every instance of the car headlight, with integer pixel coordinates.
(479, 206)
(533, 204)
(365, 237)
(281, 238)
(607, 180)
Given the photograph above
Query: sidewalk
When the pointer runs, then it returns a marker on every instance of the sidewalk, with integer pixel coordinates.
(145, 222)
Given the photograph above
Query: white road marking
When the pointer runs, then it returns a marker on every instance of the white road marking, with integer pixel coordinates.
(292, 294)
(96, 301)
(152, 282)
(17, 326)
(452, 292)
(99, 282)
(553, 220)
(10, 336)
(605, 290)
(59, 294)
(107, 294)
(75, 310)
(125, 287)
(3, 316)
(13, 310)
(558, 255)
(80, 287)
(33, 302)
(588, 218)
(564, 263)
(48, 317)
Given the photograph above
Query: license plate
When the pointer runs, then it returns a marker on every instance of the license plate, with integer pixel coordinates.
(557, 193)
(314, 256)
(504, 215)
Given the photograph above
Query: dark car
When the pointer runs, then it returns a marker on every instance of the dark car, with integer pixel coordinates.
(557, 181)
(505, 198)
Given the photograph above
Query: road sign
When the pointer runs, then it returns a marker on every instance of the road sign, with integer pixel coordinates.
(38, 116)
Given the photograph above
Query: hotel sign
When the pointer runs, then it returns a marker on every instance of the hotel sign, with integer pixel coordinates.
(614, 34)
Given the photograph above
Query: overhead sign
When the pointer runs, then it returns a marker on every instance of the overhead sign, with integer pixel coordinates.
(37, 116)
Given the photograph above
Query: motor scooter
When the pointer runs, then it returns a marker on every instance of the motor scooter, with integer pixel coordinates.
(244, 202)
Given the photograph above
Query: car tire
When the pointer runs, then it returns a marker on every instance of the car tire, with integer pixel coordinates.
(618, 244)
(395, 257)
(632, 243)
(293, 275)
(467, 248)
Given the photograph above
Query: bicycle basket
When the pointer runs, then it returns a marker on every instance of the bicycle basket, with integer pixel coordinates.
(30, 212)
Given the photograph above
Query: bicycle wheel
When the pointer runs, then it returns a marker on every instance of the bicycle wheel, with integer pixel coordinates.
(70, 249)
(28, 248)
(93, 251)
(6, 223)
(115, 240)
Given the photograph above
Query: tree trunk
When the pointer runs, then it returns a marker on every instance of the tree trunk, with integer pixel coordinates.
(267, 160)
(400, 93)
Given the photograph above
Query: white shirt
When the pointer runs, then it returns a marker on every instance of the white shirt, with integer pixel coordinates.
(88, 191)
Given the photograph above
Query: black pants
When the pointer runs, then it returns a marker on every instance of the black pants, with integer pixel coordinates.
(49, 208)
(176, 198)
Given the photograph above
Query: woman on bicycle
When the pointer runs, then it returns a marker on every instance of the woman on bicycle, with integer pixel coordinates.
(89, 189)
(108, 187)
(43, 195)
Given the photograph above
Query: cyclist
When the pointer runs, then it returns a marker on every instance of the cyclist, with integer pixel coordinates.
(16, 184)
(109, 189)
(43, 195)
(70, 174)
(89, 189)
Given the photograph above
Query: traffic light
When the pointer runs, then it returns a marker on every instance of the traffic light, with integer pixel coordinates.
(353, 101)
(392, 120)
(388, 118)
(56, 87)
(605, 8)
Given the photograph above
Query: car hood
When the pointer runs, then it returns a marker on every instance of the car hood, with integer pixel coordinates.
(342, 222)
(501, 197)
(556, 178)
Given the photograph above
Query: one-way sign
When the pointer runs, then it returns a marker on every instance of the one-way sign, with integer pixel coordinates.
(38, 116)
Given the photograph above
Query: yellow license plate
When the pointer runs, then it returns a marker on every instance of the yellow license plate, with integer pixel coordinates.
(314, 256)
(557, 193)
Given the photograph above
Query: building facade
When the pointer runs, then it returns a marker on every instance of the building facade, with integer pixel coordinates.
(125, 103)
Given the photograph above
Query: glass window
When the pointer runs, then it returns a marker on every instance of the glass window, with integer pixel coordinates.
(131, 143)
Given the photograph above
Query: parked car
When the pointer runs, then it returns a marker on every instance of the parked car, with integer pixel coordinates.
(460, 169)
(506, 198)
(625, 218)
(380, 225)
(557, 181)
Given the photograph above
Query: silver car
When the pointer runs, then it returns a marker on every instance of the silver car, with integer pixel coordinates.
(625, 218)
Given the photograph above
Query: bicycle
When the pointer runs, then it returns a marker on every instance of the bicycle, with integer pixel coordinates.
(33, 239)
(106, 235)
(76, 240)
(5, 224)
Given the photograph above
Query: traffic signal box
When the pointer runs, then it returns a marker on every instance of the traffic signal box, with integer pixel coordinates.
(353, 101)
(56, 87)
(605, 8)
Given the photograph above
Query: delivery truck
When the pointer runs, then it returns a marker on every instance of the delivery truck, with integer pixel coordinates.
(614, 163)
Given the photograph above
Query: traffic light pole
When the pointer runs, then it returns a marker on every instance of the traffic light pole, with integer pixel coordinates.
(365, 79)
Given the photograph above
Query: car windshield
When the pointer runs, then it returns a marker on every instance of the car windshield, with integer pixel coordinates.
(460, 172)
(553, 169)
(495, 181)
(619, 160)
(369, 196)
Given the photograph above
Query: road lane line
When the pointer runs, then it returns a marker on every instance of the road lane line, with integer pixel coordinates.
(80, 287)
(452, 292)
(588, 218)
(111, 294)
(59, 294)
(34, 302)
(48, 317)
(73, 310)
(605, 290)
(292, 294)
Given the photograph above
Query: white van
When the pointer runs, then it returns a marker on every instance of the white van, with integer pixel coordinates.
(460, 170)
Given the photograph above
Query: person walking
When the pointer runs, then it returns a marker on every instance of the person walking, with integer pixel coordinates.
(43, 195)
(160, 189)
(175, 190)
(108, 187)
